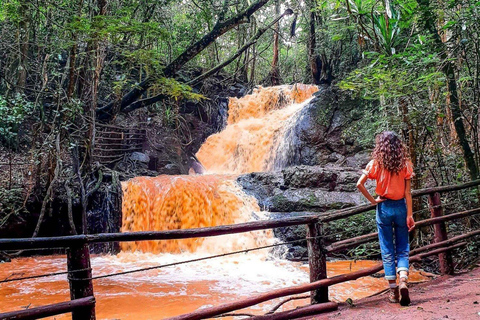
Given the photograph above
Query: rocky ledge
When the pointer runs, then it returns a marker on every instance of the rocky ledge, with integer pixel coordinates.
(301, 190)
(304, 188)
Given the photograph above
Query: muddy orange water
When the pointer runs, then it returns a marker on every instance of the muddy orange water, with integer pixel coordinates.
(250, 141)
(158, 294)
(183, 202)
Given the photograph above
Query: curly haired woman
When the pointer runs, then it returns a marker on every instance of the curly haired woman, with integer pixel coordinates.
(393, 171)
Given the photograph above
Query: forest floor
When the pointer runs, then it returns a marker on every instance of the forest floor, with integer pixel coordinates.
(446, 297)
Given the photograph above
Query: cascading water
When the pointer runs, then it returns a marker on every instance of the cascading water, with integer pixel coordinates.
(183, 202)
(252, 141)
(256, 124)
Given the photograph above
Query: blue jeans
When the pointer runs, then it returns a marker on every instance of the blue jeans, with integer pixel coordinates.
(392, 219)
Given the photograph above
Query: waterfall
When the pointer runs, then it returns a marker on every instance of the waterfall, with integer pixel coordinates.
(256, 129)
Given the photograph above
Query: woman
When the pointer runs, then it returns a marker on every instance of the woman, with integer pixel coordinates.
(393, 171)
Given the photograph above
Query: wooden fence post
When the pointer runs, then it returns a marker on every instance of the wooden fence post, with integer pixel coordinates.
(81, 286)
(317, 261)
(436, 209)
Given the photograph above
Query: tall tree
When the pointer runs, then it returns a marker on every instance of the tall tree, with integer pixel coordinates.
(274, 76)
(429, 20)
(313, 58)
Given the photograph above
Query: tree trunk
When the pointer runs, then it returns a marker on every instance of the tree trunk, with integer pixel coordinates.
(448, 68)
(275, 71)
(107, 112)
(73, 59)
(251, 80)
(313, 58)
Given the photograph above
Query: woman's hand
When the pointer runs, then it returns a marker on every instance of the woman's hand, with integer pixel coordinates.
(379, 199)
(410, 223)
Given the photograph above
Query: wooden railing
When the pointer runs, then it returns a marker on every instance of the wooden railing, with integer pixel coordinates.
(82, 304)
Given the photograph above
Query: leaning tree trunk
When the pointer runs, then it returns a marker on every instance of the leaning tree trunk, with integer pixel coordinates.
(237, 54)
(108, 112)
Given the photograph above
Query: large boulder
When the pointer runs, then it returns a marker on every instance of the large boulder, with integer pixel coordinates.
(304, 188)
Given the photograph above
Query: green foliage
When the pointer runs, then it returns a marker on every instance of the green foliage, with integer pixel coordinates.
(406, 73)
(113, 28)
(353, 227)
(387, 29)
(11, 203)
(10, 10)
(12, 113)
(176, 90)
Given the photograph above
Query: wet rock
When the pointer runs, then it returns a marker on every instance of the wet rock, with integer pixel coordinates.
(309, 177)
(313, 200)
(262, 185)
(4, 257)
(171, 168)
(302, 190)
(139, 156)
(318, 138)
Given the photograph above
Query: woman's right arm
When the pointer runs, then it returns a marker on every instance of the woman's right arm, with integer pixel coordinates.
(363, 190)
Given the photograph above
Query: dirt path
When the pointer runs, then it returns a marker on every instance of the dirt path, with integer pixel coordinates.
(447, 297)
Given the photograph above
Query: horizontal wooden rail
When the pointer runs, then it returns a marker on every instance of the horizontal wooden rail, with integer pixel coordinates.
(119, 150)
(123, 133)
(309, 217)
(66, 241)
(117, 127)
(299, 312)
(107, 144)
(442, 189)
(118, 138)
(49, 310)
(353, 242)
(337, 214)
(446, 242)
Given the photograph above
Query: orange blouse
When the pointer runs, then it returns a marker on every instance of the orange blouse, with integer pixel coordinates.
(389, 185)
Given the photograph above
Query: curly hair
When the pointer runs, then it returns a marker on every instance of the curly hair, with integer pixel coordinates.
(390, 152)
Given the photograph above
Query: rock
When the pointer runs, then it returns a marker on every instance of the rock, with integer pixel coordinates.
(4, 257)
(296, 251)
(358, 160)
(317, 137)
(262, 185)
(313, 200)
(139, 156)
(302, 190)
(309, 177)
(170, 168)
